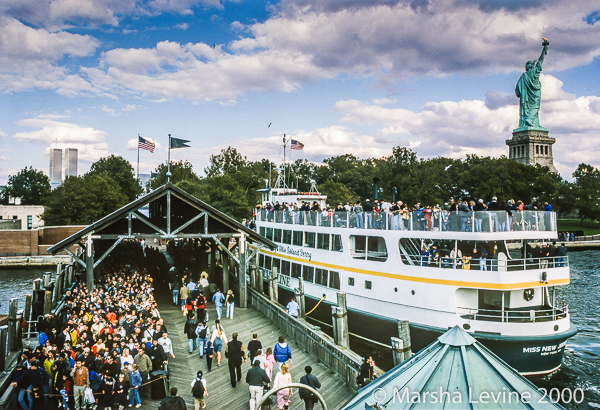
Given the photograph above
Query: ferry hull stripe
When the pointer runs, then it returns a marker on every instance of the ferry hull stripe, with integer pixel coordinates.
(478, 285)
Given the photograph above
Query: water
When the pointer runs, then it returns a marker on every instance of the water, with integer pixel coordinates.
(17, 283)
(581, 363)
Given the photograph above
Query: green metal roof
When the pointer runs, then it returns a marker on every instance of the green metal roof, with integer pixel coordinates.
(454, 372)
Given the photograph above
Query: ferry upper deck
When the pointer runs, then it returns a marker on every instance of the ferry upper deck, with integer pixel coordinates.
(486, 225)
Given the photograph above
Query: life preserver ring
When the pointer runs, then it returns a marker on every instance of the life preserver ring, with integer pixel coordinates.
(528, 294)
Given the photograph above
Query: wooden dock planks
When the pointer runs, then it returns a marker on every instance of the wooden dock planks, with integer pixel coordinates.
(221, 395)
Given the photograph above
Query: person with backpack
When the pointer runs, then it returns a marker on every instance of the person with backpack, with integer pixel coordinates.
(309, 397)
(173, 402)
(199, 391)
(190, 330)
(201, 331)
(282, 352)
(201, 306)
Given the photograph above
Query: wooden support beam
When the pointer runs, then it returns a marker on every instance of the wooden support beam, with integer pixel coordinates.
(243, 292)
(75, 257)
(226, 265)
(227, 251)
(147, 222)
(273, 286)
(113, 246)
(397, 350)
(300, 299)
(404, 335)
(188, 223)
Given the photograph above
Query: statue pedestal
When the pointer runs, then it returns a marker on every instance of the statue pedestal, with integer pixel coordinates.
(532, 145)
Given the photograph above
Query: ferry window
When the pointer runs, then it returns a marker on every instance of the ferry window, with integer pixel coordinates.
(334, 280)
(350, 281)
(337, 243)
(321, 276)
(358, 246)
(262, 231)
(261, 260)
(287, 237)
(377, 250)
(323, 241)
(368, 284)
(276, 235)
(268, 262)
(269, 234)
(310, 240)
(308, 273)
(276, 264)
(285, 268)
(296, 270)
(297, 238)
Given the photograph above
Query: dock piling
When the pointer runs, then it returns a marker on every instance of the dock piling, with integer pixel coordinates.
(28, 312)
(3, 352)
(397, 350)
(300, 299)
(404, 335)
(12, 323)
(273, 286)
(226, 265)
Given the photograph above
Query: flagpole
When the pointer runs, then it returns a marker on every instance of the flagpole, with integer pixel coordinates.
(138, 164)
(169, 161)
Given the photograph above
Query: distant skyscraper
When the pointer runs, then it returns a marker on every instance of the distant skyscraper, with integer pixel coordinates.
(55, 167)
(70, 162)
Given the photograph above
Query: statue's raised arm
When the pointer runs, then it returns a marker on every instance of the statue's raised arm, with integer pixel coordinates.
(529, 91)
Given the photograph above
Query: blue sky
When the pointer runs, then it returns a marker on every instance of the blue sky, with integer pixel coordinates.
(341, 76)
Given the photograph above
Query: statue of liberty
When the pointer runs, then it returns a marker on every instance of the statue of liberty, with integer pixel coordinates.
(529, 91)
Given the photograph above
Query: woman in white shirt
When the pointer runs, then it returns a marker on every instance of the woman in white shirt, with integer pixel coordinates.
(283, 396)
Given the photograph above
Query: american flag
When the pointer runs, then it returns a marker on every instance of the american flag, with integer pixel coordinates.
(296, 145)
(145, 144)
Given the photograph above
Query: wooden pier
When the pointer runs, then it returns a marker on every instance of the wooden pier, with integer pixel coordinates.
(221, 394)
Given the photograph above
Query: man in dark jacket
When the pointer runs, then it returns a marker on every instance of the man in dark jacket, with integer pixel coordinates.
(190, 330)
(308, 379)
(235, 352)
(256, 378)
(253, 347)
(157, 355)
(173, 402)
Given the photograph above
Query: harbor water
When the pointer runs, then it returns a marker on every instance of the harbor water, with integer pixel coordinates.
(581, 363)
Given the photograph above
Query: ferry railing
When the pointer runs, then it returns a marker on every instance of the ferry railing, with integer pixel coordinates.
(491, 264)
(514, 316)
(418, 220)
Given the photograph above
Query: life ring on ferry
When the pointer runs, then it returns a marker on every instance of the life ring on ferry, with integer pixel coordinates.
(528, 294)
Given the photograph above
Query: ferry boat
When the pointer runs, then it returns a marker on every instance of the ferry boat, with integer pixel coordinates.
(509, 303)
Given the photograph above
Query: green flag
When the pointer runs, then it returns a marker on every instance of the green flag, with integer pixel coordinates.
(177, 143)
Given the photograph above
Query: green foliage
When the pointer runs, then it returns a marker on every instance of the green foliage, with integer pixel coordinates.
(337, 193)
(31, 185)
(83, 200)
(120, 171)
(223, 192)
(180, 171)
(587, 191)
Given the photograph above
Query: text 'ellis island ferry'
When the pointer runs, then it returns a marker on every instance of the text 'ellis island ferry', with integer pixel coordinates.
(427, 270)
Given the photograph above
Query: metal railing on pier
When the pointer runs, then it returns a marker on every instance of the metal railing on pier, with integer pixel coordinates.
(486, 221)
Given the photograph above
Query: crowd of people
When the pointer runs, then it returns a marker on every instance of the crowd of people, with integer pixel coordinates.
(100, 350)
(465, 215)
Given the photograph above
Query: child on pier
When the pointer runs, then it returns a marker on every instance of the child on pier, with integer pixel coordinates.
(209, 355)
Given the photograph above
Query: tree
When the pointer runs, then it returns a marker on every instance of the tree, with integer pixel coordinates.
(31, 185)
(83, 200)
(223, 192)
(587, 191)
(120, 171)
(337, 193)
(180, 171)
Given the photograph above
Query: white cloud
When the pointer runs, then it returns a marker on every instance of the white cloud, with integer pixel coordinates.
(2, 134)
(28, 58)
(182, 26)
(110, 111)
(90, 142)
